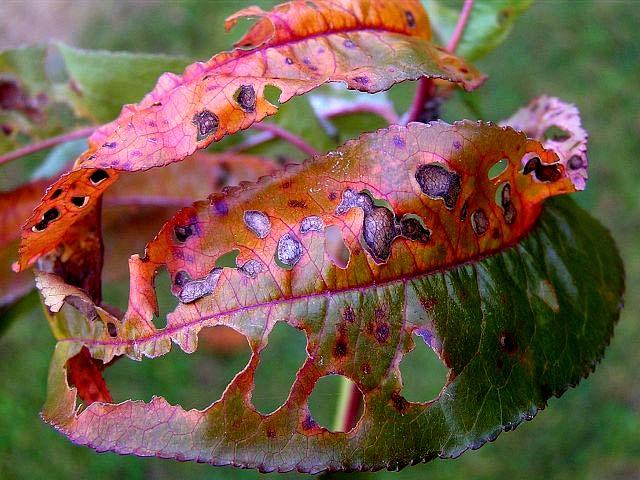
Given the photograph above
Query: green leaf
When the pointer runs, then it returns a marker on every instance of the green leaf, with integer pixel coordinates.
(489, 24)
(107, 80)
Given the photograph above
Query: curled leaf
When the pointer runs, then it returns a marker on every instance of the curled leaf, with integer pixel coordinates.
(435, 247)
(367, 44)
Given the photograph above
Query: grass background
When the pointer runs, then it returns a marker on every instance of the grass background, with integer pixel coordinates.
(584, 52)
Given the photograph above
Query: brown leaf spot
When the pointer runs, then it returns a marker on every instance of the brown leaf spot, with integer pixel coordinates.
(399, 402)
(56, 194)
(181, 278)
(246, 98)
(51, 215)
(182, 233)
(348, 314)
(508, 342)
(206, 123)
(413, 229)
(289, 250)
(382, 332)
(543, 172)
(271, 432)
(111, 328)
(437, 182)
(411, 20)
(293, 203)
(340, 348)
(365, 368)
(479, 222)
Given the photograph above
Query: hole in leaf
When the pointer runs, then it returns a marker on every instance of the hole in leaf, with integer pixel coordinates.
(272, 94)
(324, 402)
(335, 247)
(191, 380)
(556, 134)
(228, 260)
(498, 168)
(423, 373)
(279, 363)
(167, 302)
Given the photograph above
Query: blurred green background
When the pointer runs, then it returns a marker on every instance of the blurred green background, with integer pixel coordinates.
(585, 52)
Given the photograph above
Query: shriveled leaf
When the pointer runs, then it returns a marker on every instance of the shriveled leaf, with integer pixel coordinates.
(557, 125)
(489, 23)
(367, 44)
(517, 307)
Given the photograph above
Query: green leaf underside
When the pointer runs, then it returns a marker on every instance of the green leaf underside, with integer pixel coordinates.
(516, 328)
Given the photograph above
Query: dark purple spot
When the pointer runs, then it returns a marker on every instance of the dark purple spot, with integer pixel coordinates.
(246, 98)
(271, 433)
(308, 423)
(288, 61)
(411, 20)
(206, 123)
(361, 80)
(508, 343)
(332, 196)
(382, 332)
(51, 215)
(398, 141)
(79, 201)
(463, 210)
(366, 368)
(437, 182)
(457, 145)
(543, 172)
(413, 229)
(310, 65)
(348, 314)
(181, 278)
(221, 207)
(7, 129)
(56, 194)
(297, 203)
(575, 162)
(136, 153)
(98, 176)
(349, 43)
(110, 145)
(182, 232)
(340, 348)
(111, 328)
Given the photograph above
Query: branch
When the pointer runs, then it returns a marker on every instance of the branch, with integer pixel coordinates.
(287, 136)
(47, 143)
(426, 86)
(383, 111)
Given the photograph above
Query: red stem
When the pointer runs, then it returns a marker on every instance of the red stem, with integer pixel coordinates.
(47, 143)
(425, 85)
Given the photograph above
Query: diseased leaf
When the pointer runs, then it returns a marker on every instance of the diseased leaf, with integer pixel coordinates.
(367, 44)
(489, 24)
(436, 248)
(558, 126)
(134, 210)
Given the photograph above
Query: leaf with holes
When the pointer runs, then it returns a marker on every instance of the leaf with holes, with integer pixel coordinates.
(367, 44)
(133, 211)
(397, 234)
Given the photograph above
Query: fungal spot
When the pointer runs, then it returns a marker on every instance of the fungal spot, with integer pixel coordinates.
(329, 387)
(182, 233)
(340, 348)
(335, 247)
(348, 314)
(312, 223)
(51, 215)
(109, 145)
(508, 209)
(498, 168)
(349, 43)
(361, 80)
(79, 201)
(479, 222)
(56, 194)
(246, 98)
(308, 423)
(381, 332)
(378, 231)
(196, 289)
(221, 207)
(575, 162)
(365, 368)
(437, 182)
(289, 251)
(252, 268)
(98, 176)
(411, 20)
(543, 172)
(288, 61)
(508, 343)
(257, 222)
(411, 227)
(293, 203)
(112, 330)
(271, 433)
(206, 124)
(181, 278)
(457, 144)
(463, 210)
